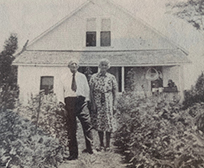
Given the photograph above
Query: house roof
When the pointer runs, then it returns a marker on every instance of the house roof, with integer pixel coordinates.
(98, 2)
(91, 58)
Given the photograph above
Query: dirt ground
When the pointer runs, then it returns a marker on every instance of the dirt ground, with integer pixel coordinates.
(98, 159)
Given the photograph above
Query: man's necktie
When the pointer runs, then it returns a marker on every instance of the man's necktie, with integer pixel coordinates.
(74, 86)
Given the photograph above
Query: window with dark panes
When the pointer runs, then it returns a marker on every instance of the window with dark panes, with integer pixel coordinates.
(105, 38)
(46, 84)
(105, 34)
(91, 32)
(90, 39)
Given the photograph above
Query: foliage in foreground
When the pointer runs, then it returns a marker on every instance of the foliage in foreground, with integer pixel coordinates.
(23, 146)
(155, 133)
(33, 136)
(45, 112)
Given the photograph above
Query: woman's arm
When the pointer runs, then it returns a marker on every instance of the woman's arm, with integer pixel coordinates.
(115, 93)
(93, 105)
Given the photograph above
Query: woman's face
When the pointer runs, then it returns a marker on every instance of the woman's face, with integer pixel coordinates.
(104, 66)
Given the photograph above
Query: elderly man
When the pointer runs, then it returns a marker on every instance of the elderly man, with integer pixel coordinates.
(75, 91)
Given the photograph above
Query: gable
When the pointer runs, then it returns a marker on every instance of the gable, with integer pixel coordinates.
(127, 33)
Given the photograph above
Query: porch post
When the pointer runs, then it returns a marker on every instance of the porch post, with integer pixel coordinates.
(123, 79)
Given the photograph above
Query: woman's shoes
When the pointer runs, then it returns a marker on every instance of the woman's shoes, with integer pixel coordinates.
(107, 149)
(103, 149)
(100, 149)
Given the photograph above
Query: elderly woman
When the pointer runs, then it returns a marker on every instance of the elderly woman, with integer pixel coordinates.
(103, 87)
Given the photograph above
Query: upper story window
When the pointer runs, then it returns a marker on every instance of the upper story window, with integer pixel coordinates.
(104, 30)
(105, 38)
(90, 39)
(105, 34)
(46, 84)
(91, 32)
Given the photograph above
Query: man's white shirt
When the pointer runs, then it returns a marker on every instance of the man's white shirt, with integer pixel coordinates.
(66, 82)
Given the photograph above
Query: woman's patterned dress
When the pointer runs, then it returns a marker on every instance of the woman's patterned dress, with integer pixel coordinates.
(103, 87)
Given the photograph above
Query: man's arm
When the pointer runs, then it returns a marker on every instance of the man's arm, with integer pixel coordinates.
(86, 89)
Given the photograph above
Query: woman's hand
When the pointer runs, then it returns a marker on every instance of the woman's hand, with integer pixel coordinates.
(93, 108)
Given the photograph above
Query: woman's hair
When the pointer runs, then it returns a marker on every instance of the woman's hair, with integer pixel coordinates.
(104, 61)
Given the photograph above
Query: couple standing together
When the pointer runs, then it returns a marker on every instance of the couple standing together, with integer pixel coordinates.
(101, 96)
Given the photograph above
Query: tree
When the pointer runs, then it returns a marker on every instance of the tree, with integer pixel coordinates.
(7, 71)
(195, 94)
(199, 86)
(192, 11)
(8, 74)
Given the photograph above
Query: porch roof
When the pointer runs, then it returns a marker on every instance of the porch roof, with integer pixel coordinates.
(91, 58)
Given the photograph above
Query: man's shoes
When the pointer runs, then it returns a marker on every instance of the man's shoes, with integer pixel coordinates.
(87, 151)
(71, 157)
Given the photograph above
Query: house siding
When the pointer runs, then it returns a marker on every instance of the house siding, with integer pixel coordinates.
(127, 33)
(29, 79)
(133, 44)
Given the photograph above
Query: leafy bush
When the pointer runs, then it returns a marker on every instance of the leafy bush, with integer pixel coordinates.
(45, 112)
(130, 80)
(195, 94)
(23, 146)
(8, 96)
(155, 133)
(33, 136)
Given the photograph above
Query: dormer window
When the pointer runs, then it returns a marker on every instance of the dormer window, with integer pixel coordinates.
(105, 38)
(103, 30)
(105, 34)
(90, 39)
(91, 32)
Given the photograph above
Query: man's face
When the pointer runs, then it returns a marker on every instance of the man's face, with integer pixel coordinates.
(73, 67)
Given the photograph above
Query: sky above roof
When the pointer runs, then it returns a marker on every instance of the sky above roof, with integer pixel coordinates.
(30, 18)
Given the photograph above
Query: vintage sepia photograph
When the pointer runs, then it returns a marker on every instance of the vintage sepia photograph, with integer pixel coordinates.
(101, 84)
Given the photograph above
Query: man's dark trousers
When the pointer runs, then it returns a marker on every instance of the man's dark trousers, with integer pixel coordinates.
(77, 107)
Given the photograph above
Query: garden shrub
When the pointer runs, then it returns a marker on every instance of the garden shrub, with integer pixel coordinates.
(8, 96)
(45, 112)
(23, 146)
(195, 94)
(34, 135)
(156, 133)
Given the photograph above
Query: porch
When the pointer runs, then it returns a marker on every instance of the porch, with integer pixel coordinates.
(144, 80)
(142, 68)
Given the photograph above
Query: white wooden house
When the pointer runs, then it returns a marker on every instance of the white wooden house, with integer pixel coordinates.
(100, 29)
